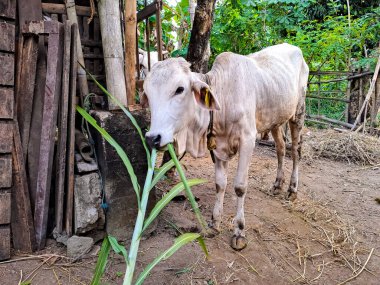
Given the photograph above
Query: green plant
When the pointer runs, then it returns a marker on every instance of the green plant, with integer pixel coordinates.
(142, 198)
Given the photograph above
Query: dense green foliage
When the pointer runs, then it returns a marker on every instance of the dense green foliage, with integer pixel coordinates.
(320, 28)
(332, 36)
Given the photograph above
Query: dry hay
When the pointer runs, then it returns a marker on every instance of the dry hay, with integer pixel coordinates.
(341, 244)
(349, 147)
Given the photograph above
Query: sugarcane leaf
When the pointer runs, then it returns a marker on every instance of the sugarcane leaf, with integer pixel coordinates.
(122, 107)
(161, 172)
(167, 198)
(118, 248)
(102, 262)
(178, 243)
(116, 146)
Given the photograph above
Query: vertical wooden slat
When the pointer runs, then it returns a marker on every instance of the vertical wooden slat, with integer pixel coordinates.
(82, 78)
(130, 49)
(97, 62)
(71, 134)
(159, 30)
(23, 234)
(62, 130)
(25, 88)
(49, 119)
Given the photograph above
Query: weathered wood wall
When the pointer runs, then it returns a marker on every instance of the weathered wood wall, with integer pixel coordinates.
(7, 59)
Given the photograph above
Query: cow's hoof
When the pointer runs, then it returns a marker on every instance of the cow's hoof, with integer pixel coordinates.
(210, 232)
(275, 190)
(238, 242)
(291, 196)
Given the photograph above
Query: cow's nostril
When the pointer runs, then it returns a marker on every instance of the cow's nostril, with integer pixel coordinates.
(154, 141)
(157, 141)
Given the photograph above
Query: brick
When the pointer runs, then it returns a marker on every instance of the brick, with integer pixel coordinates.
(7, 69)
(5, 170)
(7, 37)
(6, 137)
(5, 242)
(7, 103)
(5, 207)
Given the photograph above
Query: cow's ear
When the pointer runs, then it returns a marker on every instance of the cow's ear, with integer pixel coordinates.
(204, 96)
(144, 100)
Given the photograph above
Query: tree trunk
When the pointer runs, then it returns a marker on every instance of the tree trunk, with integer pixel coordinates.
(199, 46)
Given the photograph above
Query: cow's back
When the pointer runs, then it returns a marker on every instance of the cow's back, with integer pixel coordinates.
(263, 88)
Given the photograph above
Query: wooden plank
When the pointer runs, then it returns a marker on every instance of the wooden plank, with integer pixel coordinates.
(130, 50)
(6, 140)
(25, 90)
(7, 62)
(5, 207)
(62, 130)
(30, 10)
(159, 32)
(5, 170)
(49, 119)
(71, 136)
(97, 52)
(7, 37)
(82, 80)
(52, 8)
(5, 242)
(148, 11)
(8, 9)
(21, 213)
(36, 125)
(86, 36)
(7, 103)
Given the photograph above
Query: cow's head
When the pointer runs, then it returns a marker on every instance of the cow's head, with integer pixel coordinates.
(178, 100)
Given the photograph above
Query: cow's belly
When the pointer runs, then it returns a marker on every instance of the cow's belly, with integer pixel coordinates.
(268, 117)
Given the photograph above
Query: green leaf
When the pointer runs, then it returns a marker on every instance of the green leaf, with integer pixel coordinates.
(178, 243)
(116, 146)
(102, 262)
(129, 115)
(118, 248)
(161, 172)
(167, 198)
(189, 194)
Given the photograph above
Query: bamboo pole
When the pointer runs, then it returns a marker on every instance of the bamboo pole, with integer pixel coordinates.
(82, 78)
(370, 91)
(333, 121)
(109, 16)
(130, 49)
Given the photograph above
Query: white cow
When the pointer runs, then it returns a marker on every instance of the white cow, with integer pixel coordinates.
(247, 94)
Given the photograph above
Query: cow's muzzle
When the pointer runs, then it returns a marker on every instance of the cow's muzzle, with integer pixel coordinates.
(153, 141)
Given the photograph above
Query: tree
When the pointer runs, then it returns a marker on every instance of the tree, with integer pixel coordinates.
(199, 47)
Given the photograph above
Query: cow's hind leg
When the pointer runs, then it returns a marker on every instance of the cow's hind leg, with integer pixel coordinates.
(238, 240)
(221, 184)
(295, 125)
(280, 149)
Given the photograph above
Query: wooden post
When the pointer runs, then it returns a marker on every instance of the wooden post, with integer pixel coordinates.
(49, 119)
(71, 135)
(82, 77)
(130, 49)
(23, 234)
(158, 29)
(25, 88)
(62, 130)
(109, 16)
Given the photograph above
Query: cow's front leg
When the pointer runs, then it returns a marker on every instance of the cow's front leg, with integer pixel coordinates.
(221, 184)
(238, 240)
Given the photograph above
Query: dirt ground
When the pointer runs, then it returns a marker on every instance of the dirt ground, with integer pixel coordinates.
(329, 235)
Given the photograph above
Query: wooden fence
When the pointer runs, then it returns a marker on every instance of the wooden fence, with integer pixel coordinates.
(339, 92)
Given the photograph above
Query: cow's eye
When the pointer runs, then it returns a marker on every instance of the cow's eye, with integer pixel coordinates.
(179, 90)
